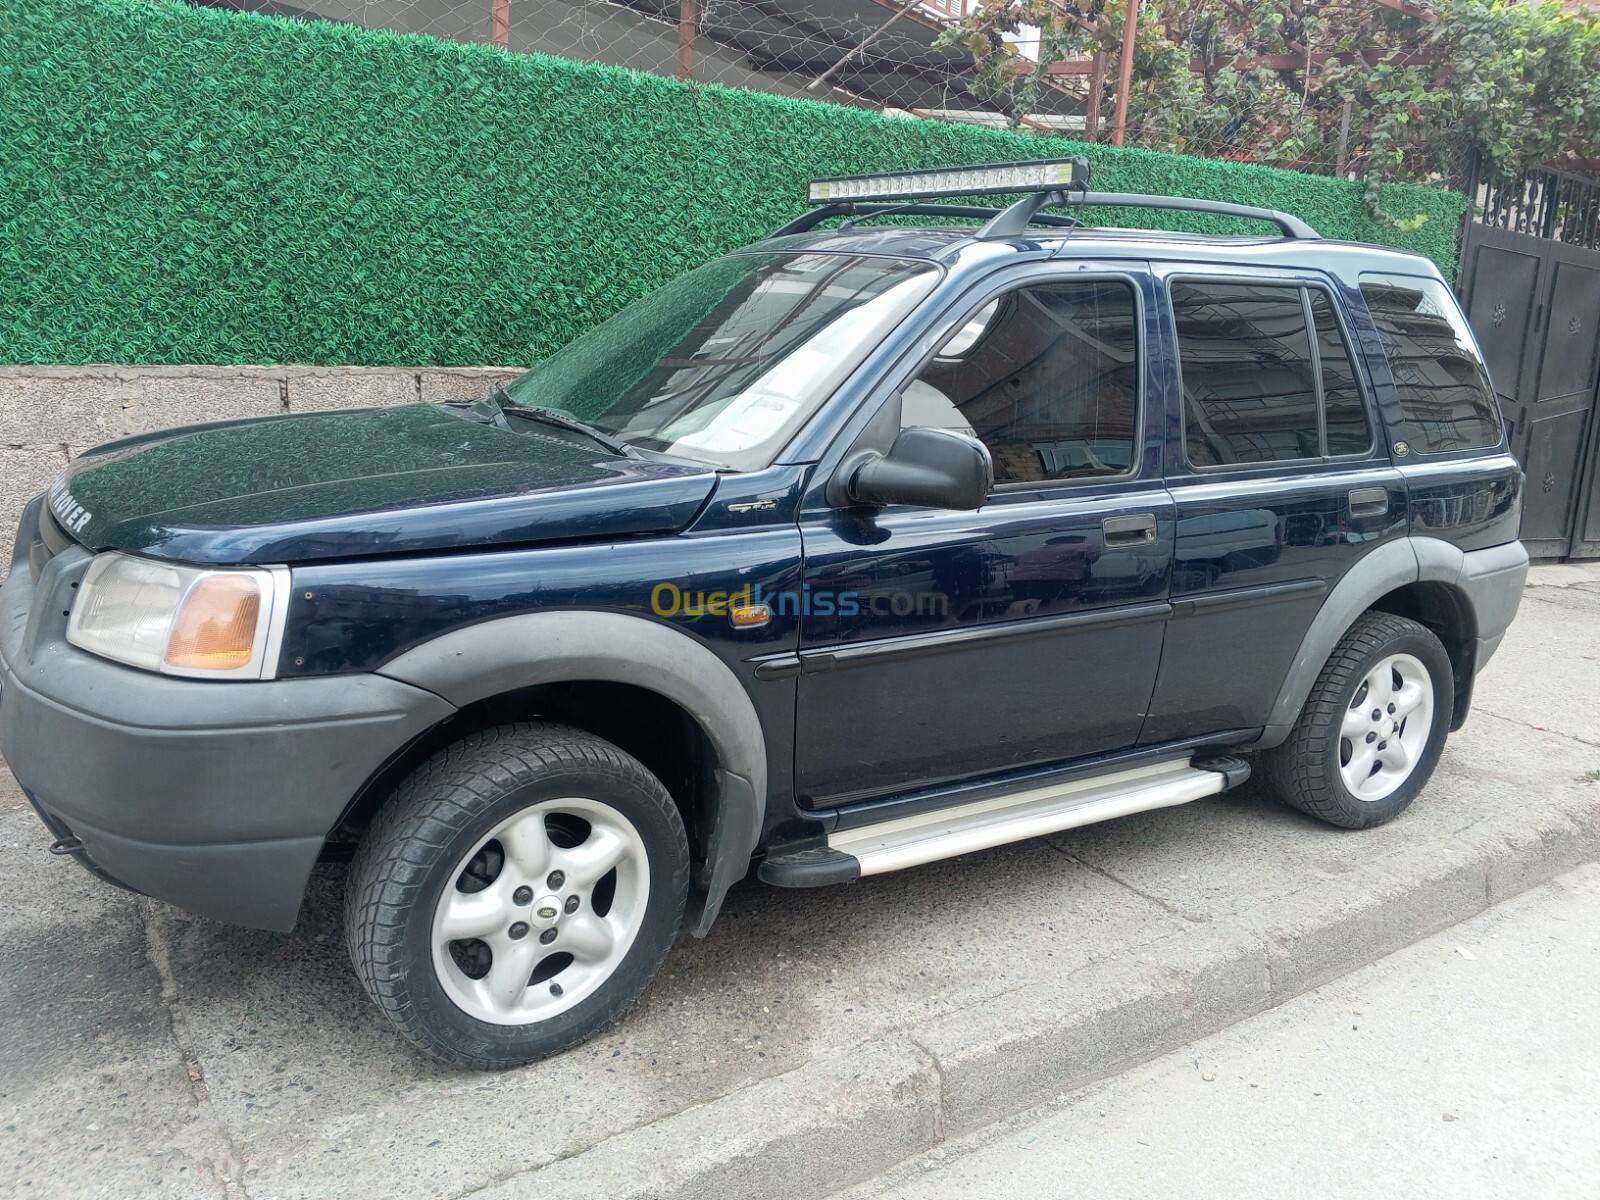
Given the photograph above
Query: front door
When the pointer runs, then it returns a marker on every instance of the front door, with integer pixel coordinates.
(938, 646)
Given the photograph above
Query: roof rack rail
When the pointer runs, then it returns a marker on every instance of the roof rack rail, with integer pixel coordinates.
(1045, 183)
(1027, 210)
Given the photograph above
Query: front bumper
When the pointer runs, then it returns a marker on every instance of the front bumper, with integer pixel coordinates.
(214, 796)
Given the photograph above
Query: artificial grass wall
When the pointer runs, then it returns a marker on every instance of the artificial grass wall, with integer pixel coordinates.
(182, 185)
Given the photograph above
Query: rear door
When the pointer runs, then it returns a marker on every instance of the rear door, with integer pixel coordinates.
(1280, 479)
(938, 646)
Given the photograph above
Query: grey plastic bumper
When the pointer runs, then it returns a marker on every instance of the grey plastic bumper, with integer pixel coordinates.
(1493, 581)
(215, 797)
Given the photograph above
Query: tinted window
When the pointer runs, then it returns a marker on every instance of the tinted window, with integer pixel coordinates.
(1249, 387)
(1346, 414)
(1047, 377)
(1444, 388)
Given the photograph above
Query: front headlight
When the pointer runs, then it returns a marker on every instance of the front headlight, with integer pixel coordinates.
(214, 624)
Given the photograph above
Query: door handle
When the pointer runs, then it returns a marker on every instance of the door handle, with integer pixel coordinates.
(1135, 530)
(1369, 502)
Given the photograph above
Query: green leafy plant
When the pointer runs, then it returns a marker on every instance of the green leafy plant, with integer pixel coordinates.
(1389, 93)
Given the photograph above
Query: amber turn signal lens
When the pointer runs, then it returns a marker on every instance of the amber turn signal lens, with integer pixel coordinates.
(216, 628)
(749, 616)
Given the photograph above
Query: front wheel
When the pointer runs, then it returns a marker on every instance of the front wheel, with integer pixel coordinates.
(1373, 727)
(516, 894)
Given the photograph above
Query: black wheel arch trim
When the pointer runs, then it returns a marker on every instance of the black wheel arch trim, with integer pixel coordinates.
(500, 656)
(1490, 580)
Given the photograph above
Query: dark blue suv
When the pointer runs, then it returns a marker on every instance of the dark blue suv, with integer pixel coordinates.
(855, 550)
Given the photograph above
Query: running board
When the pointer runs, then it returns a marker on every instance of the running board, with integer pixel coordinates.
(944, 833)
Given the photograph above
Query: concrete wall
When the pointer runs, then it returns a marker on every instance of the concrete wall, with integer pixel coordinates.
(48, 415)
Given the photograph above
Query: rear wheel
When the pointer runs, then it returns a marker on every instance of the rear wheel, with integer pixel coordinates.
(516, 894)
(1373, 727)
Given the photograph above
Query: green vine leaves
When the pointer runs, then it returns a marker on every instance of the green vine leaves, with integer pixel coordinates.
(1391, 92)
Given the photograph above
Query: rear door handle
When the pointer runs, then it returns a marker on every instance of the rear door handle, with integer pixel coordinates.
(1369, 502)
(1135, 530)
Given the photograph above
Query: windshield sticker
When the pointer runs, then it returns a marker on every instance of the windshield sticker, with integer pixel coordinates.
(748, 421)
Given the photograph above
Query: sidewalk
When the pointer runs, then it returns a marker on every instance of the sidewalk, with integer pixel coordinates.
(815, 1039)
(1464, 1066)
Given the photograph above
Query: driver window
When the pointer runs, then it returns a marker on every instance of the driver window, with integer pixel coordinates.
(1046, 376)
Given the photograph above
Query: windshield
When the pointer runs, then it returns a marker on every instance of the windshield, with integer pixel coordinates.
(724, 364)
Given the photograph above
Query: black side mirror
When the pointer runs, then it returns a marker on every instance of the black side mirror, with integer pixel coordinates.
(931, 467)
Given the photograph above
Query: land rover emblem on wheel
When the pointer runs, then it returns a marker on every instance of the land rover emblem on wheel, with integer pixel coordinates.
(976, 525)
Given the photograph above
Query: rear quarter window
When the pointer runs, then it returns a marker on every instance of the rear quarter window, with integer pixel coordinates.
(1443, 386)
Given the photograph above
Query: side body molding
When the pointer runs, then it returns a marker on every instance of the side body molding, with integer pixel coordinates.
(499, 656)
(1389, 566)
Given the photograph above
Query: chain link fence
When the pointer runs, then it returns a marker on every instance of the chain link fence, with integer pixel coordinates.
(881, 55)
(876, 54)
(1344, 155)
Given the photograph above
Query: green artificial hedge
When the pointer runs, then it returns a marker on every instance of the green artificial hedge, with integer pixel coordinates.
(183, 185)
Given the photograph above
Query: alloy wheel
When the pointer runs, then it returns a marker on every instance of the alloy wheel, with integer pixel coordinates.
(541, 911)
(1386, 727)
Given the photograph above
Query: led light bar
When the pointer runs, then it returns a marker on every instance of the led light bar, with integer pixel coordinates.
(988, 179)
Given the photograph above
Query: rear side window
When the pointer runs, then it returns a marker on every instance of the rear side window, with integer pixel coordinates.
(1443, 385)
(1267, 374)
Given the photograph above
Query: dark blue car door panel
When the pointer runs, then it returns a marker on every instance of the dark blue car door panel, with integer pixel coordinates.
(1255, 560)
(1258, 548)
(955, 645)
(980, 642)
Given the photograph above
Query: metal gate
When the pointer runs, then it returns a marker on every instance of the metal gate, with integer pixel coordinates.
(1530, 281)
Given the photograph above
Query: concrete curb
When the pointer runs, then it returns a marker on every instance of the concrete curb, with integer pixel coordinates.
(811, 1132)
(835, 1122)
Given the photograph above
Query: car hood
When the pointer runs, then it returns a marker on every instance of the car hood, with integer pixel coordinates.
(408, 479)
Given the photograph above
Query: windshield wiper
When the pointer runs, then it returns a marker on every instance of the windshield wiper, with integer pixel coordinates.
(479, 410)
(560, 420)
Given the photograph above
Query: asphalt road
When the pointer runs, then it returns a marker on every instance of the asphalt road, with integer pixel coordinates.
(1465, 1066)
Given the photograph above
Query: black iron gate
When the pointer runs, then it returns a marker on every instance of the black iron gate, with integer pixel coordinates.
(1530, 281)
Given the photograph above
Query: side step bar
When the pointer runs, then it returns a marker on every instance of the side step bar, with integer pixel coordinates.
(944, 833)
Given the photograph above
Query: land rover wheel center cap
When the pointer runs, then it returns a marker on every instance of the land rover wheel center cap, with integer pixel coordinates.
(546, 912)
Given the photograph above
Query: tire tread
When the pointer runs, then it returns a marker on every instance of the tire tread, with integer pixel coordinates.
(1297, 770)
(418, 824)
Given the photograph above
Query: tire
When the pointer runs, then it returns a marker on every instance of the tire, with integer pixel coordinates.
(1345, 766)
(537, 843)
